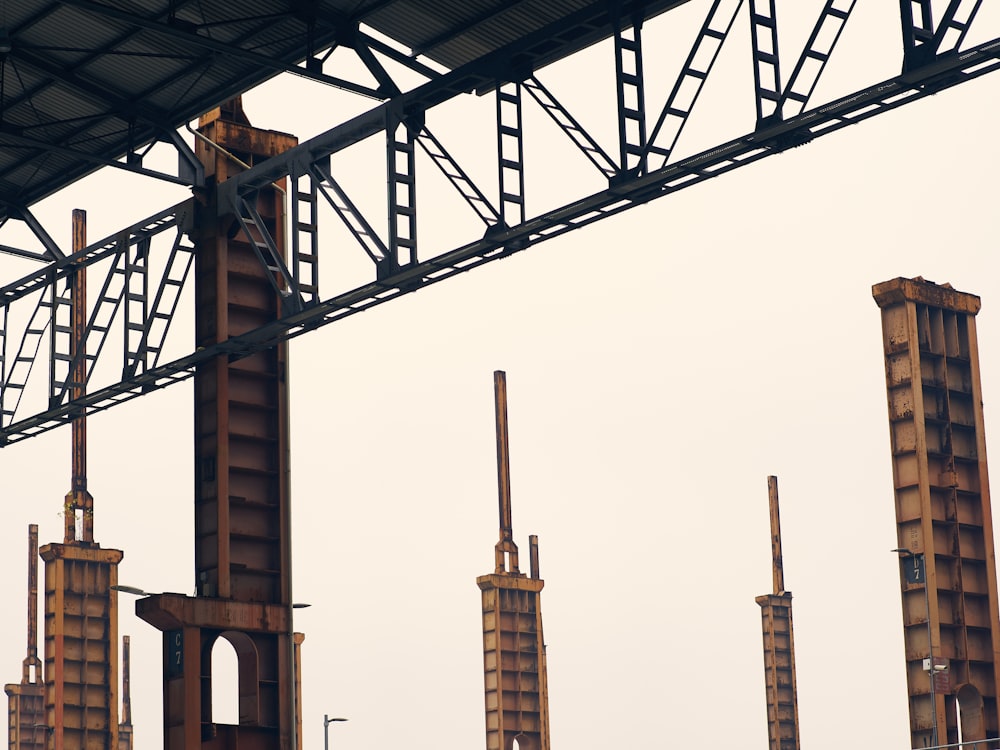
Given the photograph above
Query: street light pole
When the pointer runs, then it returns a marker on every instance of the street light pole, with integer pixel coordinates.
(327, 721)
(920, 571)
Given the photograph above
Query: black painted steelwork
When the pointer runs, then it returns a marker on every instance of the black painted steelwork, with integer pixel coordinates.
(88, 84)
(645, 168)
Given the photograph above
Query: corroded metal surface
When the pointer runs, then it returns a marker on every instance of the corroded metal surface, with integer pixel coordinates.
(242, 536)
(513, 643)
(943, 515)
(81, 646)
(125, 737)
(779, 644)
(78, 510)
(26, 701)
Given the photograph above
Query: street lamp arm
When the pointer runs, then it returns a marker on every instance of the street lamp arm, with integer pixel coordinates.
(327, 721)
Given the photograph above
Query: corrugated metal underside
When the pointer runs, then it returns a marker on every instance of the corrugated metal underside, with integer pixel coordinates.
(85, 82)
(455, 34)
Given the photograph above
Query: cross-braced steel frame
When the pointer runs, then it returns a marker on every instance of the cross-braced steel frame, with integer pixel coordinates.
(147, 267)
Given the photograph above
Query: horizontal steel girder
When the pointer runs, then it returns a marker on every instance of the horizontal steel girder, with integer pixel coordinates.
(315, 305)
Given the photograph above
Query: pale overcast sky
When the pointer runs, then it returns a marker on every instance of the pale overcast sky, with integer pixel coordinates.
(660, 365)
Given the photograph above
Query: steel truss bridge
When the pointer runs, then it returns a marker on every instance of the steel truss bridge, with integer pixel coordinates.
(144, 272)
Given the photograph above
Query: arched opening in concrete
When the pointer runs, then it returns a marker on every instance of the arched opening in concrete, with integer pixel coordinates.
(233, 680)
(225, 698)
(971, 723)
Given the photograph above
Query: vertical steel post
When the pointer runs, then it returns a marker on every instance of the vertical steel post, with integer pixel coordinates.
(777, 570)
(510, 154)
(78, 511)
(506, 550)
(766, 71)
(631, 94)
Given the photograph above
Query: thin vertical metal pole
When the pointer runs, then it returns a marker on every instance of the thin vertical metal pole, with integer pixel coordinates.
(32, 660)
(930, 657)
(777, 570)
(503, 455)
(533, 556)
(79, 498)
(505, 550)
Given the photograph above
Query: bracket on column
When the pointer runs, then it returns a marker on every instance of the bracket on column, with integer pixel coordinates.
(51, 249)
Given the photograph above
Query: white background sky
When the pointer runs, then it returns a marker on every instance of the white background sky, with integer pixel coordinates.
(660, 365)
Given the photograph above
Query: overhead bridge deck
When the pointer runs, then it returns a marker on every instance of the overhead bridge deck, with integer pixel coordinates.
(91, 83)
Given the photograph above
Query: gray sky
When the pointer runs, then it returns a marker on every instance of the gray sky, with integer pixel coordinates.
(660, 365)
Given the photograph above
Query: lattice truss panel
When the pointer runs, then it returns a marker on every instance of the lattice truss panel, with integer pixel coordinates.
(463, 188)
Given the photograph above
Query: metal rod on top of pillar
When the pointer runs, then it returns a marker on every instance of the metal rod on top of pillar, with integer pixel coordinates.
(514, 662)
(503, 454)
(506, 550)
(779, 644)
(777, 571)
(31, 661)
(79, 500)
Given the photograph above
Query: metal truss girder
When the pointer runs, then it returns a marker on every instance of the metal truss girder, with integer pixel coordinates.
(708, 43)
(395, 55)
(303, 211)
(265, 247)
(178, 216)
(401, 178)
(162, 311)
(457, 176)
(766, 71)
(510, 153)
(918, 32)
(18, 370)
(924, 40)
(52, 251)
(386, 86)
(356, 224)
(114, 290)
(21, 253)
(957, 24)
(631, 97)
(571, 127)
(61, 339)
(941, 74)
(97, 161)
(815, 56)
(190, 168)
